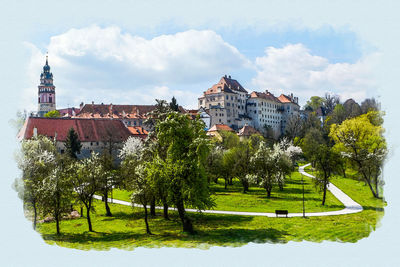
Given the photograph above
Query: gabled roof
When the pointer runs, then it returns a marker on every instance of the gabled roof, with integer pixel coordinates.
(114, 111)
(117, 111)
(286, 99)
(220, 127)
(267, 95)
(247, 131)
(138, 131)
(88, 130)
(227, 85)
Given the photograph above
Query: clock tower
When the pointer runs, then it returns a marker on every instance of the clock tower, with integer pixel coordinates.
(47, 92)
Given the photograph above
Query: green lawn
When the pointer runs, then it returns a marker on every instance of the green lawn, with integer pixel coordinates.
(291, 198)
(126, 228)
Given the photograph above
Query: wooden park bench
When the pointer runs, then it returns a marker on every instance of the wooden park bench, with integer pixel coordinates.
(281, 212)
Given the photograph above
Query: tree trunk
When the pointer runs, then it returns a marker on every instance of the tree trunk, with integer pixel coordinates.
(269, 189)
(108, 211)
(34, 215)
(165, 210)
(145, 220)
(370, 185)
(88, 217)
(230, 181)
(324, 195)
(245, 184)
(186, 222)
(82, 212)
(226, 184)
(57, 217)
(153, 207)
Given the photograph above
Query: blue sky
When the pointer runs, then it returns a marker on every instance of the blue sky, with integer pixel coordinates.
(112, 74)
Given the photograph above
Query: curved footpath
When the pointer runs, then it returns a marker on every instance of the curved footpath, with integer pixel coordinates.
(350, 205)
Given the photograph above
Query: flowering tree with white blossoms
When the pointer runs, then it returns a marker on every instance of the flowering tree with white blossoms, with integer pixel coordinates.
(36, 160)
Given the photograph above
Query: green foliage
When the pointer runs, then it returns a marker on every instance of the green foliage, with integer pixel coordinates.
(173, 104)
(126, 231)
(310, 142)
(327, 162)
(315, 102)
(56, 191)
(36, 161)
(229, 139)
(72, 144)
(52, 114)
(86, 181)
(364, 145)
(187, 148)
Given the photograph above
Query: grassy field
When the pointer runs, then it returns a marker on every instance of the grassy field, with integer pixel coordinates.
(126, 228)
(291, 198)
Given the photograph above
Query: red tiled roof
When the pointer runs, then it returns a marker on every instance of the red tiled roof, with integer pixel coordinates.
(68, 111)
(88, 129)
(138, 131)
(117, 111)
(247, 131)
(114, 111)
(284, 99)
(227, 85)
(220, 127)
(267, 95)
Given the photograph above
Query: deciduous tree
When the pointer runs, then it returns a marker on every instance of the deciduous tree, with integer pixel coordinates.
(364, 145)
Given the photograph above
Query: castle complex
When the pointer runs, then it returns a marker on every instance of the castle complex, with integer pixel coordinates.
(226, 105)
(227, 102)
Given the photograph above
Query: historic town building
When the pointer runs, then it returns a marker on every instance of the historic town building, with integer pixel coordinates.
(95, 135)
(227, 102)
(46, 92)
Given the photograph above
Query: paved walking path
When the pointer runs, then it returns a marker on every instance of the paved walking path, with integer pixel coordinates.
(350, 205)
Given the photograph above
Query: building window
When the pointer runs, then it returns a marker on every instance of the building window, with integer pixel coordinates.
(227, 97)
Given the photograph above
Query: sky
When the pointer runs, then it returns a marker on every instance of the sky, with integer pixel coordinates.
(162, 48)
(107, 63)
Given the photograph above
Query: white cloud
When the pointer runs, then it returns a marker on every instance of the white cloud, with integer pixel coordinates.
(105, 63)
(108, 65)
(184, 56)
(293, 68)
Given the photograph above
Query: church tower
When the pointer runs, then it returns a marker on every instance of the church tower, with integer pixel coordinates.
(47, 92)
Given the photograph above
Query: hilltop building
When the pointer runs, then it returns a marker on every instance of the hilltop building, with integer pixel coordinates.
(227, 102)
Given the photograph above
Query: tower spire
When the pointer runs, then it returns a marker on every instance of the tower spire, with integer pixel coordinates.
(47, 93)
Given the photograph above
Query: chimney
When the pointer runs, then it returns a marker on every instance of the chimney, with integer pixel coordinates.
(225, 76)
(34, 132)
(229, 76)
(137, 111)
(81, 105)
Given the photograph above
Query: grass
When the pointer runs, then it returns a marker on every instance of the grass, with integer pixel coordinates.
(291, 198)
(126, 229)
